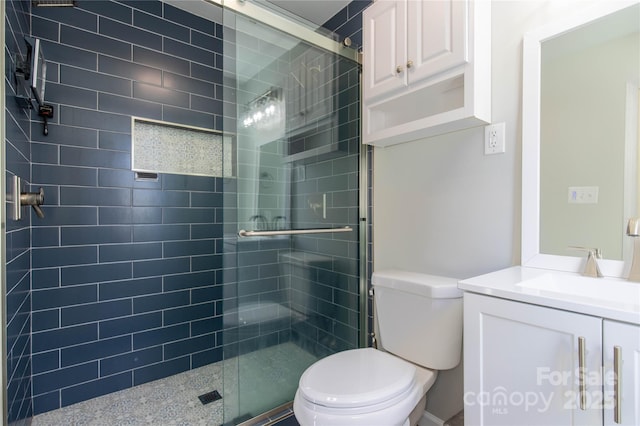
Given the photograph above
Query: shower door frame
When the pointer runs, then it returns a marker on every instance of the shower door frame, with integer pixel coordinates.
(300, 31)
(3, 230)
(289, 26)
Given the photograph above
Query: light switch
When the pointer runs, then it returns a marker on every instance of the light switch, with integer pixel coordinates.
(583, 195)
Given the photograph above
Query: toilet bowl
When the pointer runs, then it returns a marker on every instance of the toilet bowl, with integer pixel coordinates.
(420, 324)
(362, 387)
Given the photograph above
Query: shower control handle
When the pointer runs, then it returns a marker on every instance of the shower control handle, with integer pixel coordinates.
(33, 199)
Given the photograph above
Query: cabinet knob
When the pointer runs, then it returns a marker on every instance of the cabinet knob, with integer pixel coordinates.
(409, 63)
(399, 69)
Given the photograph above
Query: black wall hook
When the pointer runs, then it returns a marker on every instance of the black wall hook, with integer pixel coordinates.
(46, 112)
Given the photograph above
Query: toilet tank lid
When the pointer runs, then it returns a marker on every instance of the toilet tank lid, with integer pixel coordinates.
(433, 286)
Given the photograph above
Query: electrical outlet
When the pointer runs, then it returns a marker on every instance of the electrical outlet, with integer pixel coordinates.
(494, 139)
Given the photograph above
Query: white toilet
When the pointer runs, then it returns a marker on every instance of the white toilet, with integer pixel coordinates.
(420, 329)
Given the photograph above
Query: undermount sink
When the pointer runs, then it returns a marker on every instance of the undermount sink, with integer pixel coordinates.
(608, 297)
(606, 289)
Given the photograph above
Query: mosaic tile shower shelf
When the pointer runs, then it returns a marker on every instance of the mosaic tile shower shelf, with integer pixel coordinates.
(172, 148)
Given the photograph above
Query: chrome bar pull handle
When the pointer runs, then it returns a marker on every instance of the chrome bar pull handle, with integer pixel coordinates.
(244, 233)
(617, 384)
(582, 383)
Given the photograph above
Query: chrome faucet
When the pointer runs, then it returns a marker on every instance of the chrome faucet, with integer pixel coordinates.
(633, 230)
(591, 268)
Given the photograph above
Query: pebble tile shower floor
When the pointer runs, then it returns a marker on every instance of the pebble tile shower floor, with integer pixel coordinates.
(174, 400)
(170, 401)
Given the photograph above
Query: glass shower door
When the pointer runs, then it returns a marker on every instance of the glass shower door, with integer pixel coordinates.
(289, 299)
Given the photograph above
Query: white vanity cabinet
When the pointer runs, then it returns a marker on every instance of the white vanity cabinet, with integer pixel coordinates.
(622, 341)
(427, 68)
(522, 366)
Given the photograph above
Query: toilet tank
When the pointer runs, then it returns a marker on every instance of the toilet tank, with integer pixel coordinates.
(419, 317)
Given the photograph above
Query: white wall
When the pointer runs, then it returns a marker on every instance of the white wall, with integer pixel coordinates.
(440, 205)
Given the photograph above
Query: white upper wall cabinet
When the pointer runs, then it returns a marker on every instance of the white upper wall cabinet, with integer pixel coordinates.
(427, 68)
(385, 29)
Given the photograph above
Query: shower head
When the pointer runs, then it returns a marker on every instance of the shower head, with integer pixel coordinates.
(53, 3)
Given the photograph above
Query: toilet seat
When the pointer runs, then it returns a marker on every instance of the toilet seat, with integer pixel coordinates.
(357, 379)
(321, 399)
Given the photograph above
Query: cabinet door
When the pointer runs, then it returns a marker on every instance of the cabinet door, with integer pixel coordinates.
(437, 36)
(521, 364)
(622, 340)
(384, 47)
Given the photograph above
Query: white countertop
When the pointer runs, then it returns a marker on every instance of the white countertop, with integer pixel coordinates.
(617, 299)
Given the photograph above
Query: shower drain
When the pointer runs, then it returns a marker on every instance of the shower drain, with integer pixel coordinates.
(210, 397)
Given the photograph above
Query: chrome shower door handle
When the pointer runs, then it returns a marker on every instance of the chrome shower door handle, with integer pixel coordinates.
(245, 233)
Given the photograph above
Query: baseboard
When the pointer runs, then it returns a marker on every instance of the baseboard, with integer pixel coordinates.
(429, 419)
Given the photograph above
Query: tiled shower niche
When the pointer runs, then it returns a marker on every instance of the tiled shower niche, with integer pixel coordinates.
(157, 146)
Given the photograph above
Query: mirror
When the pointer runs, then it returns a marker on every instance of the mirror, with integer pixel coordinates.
(581, 93)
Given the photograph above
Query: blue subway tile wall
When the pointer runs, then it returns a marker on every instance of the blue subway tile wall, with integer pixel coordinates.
(348, 22)
(94, 89)
(126, 282)
(313, 277)
(323, 269)
(18, 234)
